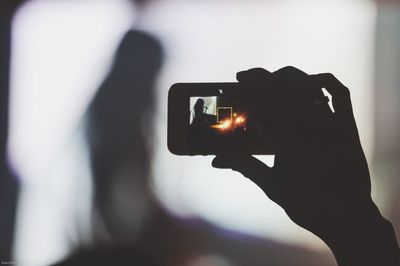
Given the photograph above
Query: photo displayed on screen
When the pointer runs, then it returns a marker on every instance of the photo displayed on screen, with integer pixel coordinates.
(223, 121)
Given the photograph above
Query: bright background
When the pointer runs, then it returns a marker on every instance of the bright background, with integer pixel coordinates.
(62, 51)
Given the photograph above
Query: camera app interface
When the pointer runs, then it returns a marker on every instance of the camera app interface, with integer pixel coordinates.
(224, 121)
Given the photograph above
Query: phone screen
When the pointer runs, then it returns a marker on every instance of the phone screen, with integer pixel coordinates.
(223, 121)
(215, 118)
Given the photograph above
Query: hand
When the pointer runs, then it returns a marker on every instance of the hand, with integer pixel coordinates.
(320, 168)
(320, 175)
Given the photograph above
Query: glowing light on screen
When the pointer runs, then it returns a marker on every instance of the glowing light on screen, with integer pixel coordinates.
(225, 124)
(239, 120)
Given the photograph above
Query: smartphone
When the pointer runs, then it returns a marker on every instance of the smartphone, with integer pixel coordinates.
(215, 118)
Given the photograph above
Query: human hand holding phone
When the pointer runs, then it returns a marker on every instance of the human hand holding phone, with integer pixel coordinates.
(320, 176)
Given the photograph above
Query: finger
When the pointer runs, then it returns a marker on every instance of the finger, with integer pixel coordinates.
(254, 75)
(293, 86)
(250, 167)
(256, 83)
(291, 73)
(297, 86)
(340, 94)
(341, 103)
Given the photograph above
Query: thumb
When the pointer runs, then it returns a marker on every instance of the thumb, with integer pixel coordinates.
(249, 166)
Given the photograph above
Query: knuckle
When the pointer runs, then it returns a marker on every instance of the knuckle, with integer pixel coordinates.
(291, 72)
(289, 69)
(346, 91)
(331, 79)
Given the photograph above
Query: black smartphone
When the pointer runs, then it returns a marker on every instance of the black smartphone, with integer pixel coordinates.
(214, 118)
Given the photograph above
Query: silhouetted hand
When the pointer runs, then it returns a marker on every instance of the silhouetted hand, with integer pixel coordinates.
(320, 175)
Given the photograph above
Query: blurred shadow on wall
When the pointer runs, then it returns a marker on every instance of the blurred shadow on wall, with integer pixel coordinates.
(118, 136)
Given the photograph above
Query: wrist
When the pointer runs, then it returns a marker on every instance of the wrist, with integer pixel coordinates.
(362, 236)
